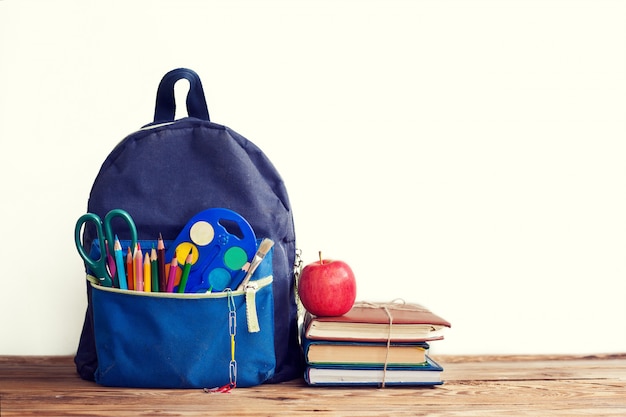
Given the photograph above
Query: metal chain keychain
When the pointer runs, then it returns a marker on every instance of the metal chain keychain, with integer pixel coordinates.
(232, 331)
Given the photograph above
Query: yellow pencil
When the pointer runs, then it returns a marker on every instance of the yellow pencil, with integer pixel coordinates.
(147, 275)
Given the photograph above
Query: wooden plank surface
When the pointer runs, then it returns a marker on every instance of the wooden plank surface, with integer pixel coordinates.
(474, 386)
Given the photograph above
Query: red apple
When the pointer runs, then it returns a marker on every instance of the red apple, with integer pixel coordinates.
(327, 288)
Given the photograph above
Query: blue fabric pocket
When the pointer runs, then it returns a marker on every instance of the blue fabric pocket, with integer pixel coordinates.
(170, 340)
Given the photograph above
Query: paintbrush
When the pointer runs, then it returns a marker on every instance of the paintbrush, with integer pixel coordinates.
(264, 247)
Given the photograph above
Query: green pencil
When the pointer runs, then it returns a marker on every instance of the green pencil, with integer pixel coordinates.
(186, 269)
(155, 271)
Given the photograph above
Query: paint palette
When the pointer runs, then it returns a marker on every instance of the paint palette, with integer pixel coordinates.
(221, 242)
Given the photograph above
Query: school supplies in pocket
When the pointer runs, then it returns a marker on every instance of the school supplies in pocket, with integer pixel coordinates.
(203, 252)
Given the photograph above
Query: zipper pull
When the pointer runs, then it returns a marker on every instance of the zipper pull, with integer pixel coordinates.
(251, 315)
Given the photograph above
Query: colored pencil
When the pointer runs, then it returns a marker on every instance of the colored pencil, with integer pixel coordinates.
(156, 287)
(171, 279)
(147, 274)
(161, 262)
(130, 270)
(138, 264)
(119, 263)
(185, 276)
(111, 264)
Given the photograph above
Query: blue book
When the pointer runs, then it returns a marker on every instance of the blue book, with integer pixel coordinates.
(423, 375)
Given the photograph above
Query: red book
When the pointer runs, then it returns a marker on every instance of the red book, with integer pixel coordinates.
(378, 322)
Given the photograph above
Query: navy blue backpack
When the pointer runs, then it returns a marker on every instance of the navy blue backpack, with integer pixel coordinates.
(170, 170)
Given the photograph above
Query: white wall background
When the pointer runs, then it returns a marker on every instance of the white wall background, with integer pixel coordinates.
(467, 155)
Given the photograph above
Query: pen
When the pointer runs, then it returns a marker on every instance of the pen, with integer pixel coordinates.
(119, 262)
(185, 276)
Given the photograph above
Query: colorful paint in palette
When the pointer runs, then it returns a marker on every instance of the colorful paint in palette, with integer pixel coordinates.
(221, 242)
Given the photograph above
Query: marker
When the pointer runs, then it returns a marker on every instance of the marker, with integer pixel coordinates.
(171, 279)
(161, 264)
(130, 270)
(119, 262)
(186, 269)
(155, 271)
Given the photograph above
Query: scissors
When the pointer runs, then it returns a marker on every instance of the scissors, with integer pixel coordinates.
(105, 236)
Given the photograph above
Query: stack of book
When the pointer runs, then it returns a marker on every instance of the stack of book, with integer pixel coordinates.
(375, 344)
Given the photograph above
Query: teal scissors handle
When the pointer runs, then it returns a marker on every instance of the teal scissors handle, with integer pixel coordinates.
(97, 266)
(105, 235)
(108, 231)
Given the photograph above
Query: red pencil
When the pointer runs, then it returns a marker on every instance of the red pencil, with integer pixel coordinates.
(130, 271)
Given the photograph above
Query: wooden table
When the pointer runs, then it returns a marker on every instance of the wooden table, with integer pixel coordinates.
(474, 386)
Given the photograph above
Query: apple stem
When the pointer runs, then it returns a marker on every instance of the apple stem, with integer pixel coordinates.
(321, 261)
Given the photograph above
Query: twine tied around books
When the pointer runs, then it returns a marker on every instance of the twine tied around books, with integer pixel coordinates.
(396, 304)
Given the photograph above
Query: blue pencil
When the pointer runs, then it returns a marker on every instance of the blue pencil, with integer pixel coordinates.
(119, 262)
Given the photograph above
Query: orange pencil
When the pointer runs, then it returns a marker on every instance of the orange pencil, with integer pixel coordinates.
(130, 271)
(138, 264)
(147, 274)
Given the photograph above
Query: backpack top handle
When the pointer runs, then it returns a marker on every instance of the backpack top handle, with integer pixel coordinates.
(165, 109)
